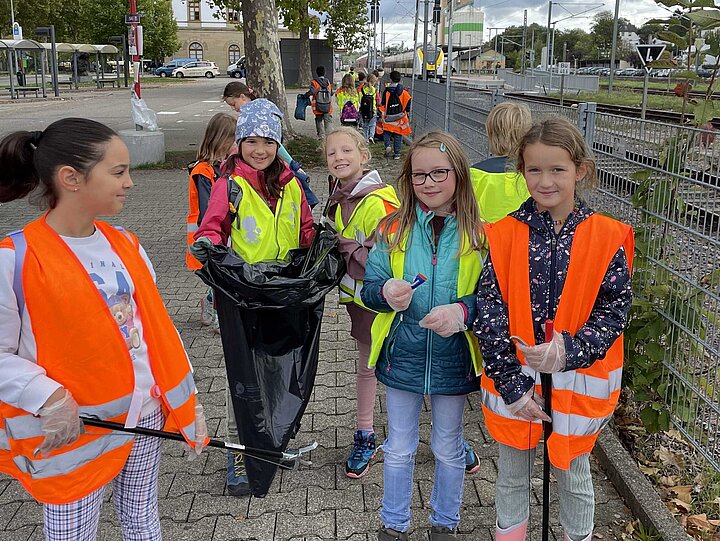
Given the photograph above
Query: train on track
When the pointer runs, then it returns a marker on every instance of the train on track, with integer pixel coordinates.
(405, 62)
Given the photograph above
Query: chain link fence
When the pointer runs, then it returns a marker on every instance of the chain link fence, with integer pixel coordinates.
(663, 179)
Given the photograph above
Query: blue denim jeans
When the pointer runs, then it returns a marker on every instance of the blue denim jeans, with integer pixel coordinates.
(396, 139)
(403, 414)
(369, 127)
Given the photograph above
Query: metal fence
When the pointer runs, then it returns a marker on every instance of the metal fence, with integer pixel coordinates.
(677, 229)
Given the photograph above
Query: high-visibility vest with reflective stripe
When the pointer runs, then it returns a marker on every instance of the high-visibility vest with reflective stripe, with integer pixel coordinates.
(498, 194)
(257, 233)
(79, 345)
(402, 124)
(205, 169)
(361, 224)
(582, 400)
(468, 276)
(316, 88)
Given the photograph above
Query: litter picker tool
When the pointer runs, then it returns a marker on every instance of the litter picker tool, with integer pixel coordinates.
(278, 457)
(546, 383)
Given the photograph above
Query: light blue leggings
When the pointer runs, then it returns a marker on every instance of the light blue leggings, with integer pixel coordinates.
(512, 497)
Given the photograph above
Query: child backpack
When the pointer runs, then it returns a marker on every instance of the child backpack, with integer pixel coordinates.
(349, 112)
(323, 97)
(393, 107)
(367, 110)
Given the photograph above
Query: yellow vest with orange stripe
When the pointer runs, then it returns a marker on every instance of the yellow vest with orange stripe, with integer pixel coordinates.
(205, 169)
(582, 400)
(81, 347)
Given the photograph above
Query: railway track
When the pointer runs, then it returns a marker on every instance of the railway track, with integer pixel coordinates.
(670, 117)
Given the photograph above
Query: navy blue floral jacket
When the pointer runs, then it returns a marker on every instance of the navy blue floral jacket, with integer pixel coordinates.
(607, 320)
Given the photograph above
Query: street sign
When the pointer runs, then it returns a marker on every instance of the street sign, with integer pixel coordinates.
(132, 18)
(649, 53)
(17, 31)
(564, 68)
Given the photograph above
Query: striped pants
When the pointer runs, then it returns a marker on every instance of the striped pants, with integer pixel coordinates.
(135, 495)
(575, 491)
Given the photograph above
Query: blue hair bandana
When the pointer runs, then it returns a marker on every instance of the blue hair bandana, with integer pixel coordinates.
(259, 118)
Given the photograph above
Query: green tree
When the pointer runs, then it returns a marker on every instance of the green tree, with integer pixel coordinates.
(159, 28)
(648, 31)
(602, 31)
(298, 19)
(346, 24)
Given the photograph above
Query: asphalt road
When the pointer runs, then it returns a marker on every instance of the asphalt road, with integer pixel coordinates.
(183, 109)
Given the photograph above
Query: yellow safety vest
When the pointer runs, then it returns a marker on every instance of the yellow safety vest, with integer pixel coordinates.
(468, 277)
(361, 224)
(259, 235)
(498, 194)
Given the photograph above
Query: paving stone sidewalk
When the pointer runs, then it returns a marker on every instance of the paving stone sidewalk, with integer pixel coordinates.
(313, 503)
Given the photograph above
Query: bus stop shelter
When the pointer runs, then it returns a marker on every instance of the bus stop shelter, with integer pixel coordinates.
(11, 48)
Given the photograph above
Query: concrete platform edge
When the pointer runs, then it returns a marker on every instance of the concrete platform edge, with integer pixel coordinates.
(637, 492)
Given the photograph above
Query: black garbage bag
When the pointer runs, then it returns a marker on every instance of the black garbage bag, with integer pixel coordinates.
(270, 315)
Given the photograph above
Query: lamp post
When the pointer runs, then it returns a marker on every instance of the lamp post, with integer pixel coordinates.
(122, 40)
(50, 32)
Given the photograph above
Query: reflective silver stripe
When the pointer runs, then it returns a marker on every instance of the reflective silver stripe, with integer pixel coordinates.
(563, 424)
(29, 426)
(189, 431)
(497, 405)
(587, 385)
(4, 442)
(192, 228)
(177, 396)
(577, 425)
(66, 463)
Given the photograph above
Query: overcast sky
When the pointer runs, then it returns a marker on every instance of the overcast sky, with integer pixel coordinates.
(399, 14)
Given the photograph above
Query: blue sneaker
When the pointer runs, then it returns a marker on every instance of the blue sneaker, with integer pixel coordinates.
(237, 480)
(472, 462)
(362, 453)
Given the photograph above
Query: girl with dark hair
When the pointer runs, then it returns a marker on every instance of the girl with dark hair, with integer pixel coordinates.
(270, 218)
(84, 332)
(237, 94)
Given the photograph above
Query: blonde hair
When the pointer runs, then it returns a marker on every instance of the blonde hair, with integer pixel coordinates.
(348, 84)
(218, 139)
(559, 132)
(506, 125)
(400, 222)
(355, 135)
(372, 79)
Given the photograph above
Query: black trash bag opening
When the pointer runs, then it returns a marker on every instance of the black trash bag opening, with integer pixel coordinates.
(307, 276)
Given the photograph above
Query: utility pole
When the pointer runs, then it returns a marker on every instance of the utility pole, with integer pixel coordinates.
(547, 46)
(415, 55)
(448, 69)
(524, 41)
(614, 46)
(425, 41)
(375, 20)
(382, 38)
(136, 52)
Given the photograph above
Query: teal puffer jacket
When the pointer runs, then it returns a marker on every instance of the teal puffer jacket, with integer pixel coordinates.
(415, 359)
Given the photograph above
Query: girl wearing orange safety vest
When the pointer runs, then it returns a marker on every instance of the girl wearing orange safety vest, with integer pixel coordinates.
(84, 331)
(216, 145)
(557, 282)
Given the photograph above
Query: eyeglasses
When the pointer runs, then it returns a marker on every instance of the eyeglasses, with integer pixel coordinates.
(436, 175)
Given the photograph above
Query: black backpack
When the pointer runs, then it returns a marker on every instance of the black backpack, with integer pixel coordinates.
(393, 107)
(367, 109)
(323, 97)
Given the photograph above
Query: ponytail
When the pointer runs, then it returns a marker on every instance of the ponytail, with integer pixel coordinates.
(29, 160)
(19, 176)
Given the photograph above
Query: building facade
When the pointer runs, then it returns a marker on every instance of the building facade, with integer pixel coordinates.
(206, 33)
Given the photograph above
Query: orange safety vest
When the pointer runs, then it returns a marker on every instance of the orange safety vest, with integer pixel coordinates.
(205, 169)
(80, 345)
(316, 87)
(582, 400)
(401, 125)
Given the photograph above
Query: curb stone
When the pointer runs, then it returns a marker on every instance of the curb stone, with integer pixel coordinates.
(637, 492)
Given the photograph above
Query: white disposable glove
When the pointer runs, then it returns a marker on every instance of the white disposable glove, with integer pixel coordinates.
(398, 294)
(201, 432)
(60, 423)
(529, 407)
(548, 357)
(445, 320)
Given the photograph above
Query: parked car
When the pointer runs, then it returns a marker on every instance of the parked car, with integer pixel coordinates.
(237, 69)
(167, 69)
(199, 68)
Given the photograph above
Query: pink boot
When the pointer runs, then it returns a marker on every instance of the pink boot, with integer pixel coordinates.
(567, 538)
(513, 533)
